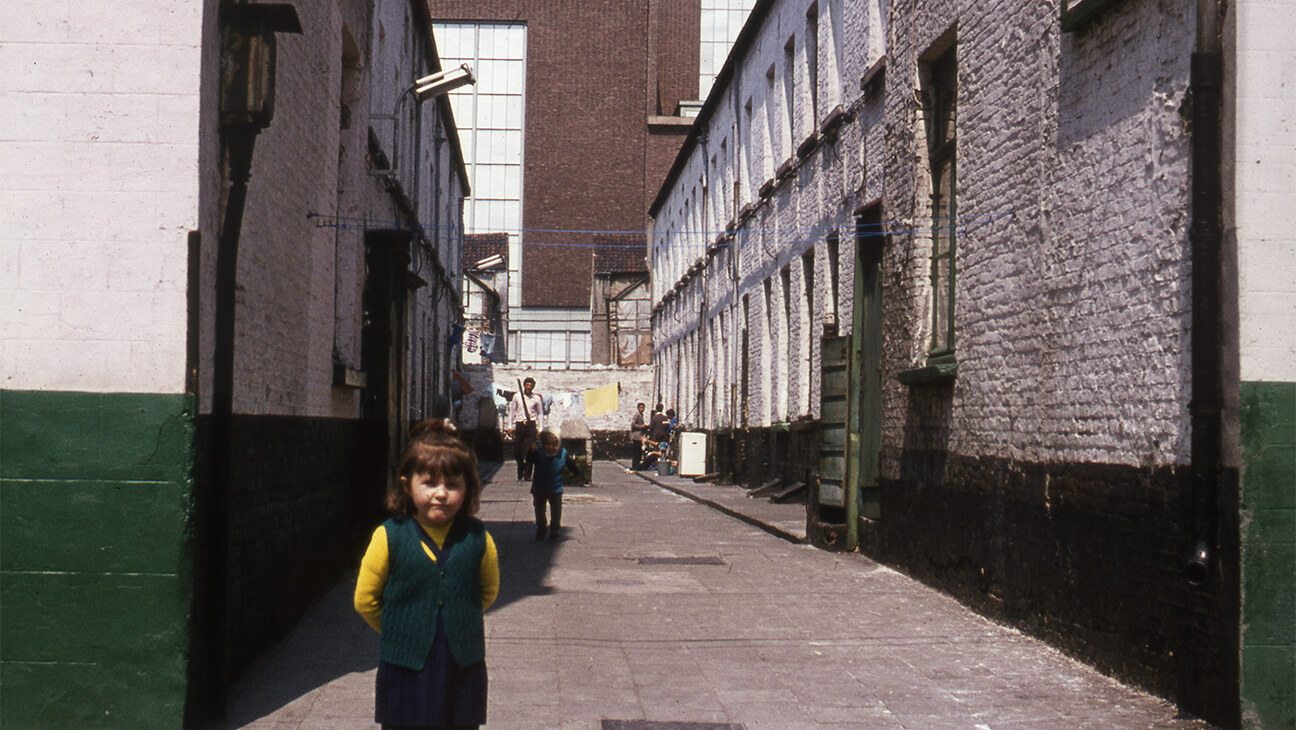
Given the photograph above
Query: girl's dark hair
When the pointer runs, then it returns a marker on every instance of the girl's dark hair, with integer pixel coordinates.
(434, 449)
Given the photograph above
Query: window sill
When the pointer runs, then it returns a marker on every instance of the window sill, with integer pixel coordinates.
(786, 169)
(836, 118)
(808, 146)
(942, 373)
(1075, 13)
(872, 82)
(348, 377)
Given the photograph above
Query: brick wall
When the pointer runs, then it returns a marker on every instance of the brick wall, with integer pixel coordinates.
(287, 262)
(305, 497)
(588, 84)
(1051, 468)
(567, 387)
(1062, 293)
(773, 231)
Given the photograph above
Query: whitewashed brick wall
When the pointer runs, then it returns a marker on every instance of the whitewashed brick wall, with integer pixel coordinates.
(567, 387)
(1072, 304)
(1072, 301)
(796, 219)
(301, 277)
(286, 262)
(99, 118)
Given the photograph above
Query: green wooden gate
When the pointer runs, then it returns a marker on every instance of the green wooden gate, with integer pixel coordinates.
(834, 464)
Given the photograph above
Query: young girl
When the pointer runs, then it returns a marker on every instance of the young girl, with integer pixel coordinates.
(429, 573)
(547, 484)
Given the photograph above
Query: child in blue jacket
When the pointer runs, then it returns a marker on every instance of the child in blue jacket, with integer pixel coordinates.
(547, 484)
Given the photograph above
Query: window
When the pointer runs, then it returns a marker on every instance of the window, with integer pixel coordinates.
(753, 172)
(721, 22)
(789, 348)
(550, 338)
(772, 124)
(834, 286)
(1076, 12)
(789, 95)
(630, 314)
(745, 392)
(490, 115)
(767, 358)
(940, 92)
(720, 358)
(807, 329)
(812, 59)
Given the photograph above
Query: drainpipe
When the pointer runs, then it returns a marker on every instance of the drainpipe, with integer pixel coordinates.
(239, 143)
(248, 53)
(1206, 238)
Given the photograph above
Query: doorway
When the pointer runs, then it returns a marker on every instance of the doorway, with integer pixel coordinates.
(870, 243)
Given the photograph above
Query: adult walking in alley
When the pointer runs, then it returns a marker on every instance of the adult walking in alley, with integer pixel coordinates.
(526, 414)
(659, 609)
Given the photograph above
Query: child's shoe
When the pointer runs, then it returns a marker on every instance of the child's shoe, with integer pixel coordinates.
(540, 533)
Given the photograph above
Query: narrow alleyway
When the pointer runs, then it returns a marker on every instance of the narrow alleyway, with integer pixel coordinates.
(671, 613)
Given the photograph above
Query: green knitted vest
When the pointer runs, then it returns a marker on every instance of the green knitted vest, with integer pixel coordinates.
(418, 591)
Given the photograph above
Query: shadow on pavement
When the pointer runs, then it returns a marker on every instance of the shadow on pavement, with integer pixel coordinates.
(330, 643)
(507, 512)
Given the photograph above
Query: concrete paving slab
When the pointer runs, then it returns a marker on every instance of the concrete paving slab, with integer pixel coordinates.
(676, 603)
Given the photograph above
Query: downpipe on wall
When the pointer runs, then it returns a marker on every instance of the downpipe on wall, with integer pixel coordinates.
(1206, 239)
(247, 96)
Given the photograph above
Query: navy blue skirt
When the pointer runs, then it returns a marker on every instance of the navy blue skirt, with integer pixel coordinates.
(441, 694)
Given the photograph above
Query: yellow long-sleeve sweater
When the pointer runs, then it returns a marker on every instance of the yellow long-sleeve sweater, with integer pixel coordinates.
(376, 564)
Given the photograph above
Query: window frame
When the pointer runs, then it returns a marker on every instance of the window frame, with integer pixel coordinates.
(940, 97)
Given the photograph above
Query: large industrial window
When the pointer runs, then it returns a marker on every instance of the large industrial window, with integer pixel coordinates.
(721, 22)
(489, 115)
(939, 94)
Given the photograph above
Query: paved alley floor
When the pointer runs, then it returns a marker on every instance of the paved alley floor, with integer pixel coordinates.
(659, 610)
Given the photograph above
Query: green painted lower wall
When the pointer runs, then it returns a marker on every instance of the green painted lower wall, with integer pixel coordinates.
(96, 552)
(1268, 422)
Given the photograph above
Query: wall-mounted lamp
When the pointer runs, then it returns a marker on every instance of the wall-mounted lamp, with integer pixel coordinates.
(248, 61)
(489, 262)
(427, 87)
(443, 82)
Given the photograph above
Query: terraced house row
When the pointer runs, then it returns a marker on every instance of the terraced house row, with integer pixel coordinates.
(231, 258)
(1007, 285)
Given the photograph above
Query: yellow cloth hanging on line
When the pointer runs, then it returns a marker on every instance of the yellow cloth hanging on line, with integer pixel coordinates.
(601, 400)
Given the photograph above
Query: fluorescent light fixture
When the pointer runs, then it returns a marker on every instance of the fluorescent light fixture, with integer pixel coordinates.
(489, 262)
(443, 82)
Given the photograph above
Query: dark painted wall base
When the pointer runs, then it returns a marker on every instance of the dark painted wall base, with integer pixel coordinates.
(1088, 557)
(306, 494)
(755, 456)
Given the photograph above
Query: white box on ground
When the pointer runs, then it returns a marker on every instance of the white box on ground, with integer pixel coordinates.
(692, 454)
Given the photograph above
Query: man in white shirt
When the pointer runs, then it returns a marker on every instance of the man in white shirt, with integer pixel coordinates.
(526, 414)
